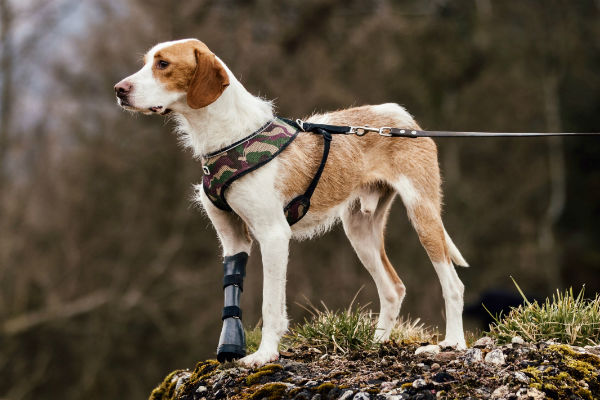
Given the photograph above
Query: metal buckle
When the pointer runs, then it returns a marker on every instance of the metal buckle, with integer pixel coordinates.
(300, 123)
(205, 170)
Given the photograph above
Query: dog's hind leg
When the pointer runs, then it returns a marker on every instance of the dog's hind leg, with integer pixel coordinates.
(365, 227)
(424, 211)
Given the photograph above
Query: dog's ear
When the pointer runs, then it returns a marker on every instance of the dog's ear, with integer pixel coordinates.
(209, 81)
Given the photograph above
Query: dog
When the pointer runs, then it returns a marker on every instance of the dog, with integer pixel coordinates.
(360, 180)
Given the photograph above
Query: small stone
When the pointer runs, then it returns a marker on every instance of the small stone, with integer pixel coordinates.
(346, 395)
(388, 386)
(361, 396)
(530, 394)
(517, 340)
(219, 394)
(435, 366)
(310, 384)
(473, 356)
(316, 397)
(419, 383)
(201, 389)
(495, 357)
(429, 350)
(483, 342)
(442, 377)
(500, 392)
(446, 356)
(521, 377)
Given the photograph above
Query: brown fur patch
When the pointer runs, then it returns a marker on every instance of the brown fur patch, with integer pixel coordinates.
(192, 69)
(356, 162)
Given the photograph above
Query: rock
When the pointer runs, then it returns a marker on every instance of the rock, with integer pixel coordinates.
(473, 356)
(429, 350)
(346, 395)
(530, 394)
(419, 383)
(483, 342)
(387, 386)
(495, 357)
(361, 396)
(521, 377)
(442, 377)
(500, 392)
(316, 397)
(201, 389)
(181, 378)
(435, 366)
(517, 340)
(446, 356)
(219, 394)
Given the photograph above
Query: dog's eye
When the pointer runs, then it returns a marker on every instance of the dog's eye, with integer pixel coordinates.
(162, 64)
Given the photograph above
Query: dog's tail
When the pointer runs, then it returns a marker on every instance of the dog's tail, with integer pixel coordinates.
(455, 255)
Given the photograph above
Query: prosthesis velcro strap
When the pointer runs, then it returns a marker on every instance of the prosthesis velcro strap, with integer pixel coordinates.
(235, 279)
(231, 311)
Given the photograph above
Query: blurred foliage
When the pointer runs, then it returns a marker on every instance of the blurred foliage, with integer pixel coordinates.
(109, 277)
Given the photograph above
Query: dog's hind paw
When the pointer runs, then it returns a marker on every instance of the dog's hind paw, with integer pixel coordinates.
(458, 344)
(259, 358)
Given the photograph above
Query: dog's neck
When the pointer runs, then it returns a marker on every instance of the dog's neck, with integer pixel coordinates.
(235, 115)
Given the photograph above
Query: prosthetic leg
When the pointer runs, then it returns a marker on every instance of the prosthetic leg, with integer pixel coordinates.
(232, 344)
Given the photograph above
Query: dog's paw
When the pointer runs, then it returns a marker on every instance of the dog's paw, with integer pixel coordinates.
(458, 344)
(381, 336)
(259, 358)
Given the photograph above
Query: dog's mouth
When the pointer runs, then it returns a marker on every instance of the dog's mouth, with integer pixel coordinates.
(160, 110)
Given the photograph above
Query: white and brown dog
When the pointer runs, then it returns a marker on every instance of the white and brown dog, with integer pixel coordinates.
(362, 177)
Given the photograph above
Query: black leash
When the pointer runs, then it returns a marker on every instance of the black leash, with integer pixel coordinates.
(415, 133)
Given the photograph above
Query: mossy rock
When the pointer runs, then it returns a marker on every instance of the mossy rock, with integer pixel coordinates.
(571, 374)
(270, 391)
(168, 390)
(268, 369)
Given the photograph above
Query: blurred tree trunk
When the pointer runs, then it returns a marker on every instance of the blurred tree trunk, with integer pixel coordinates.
(556, 171)
(6, 70)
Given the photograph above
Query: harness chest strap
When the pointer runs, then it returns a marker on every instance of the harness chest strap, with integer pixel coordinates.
(225, 166)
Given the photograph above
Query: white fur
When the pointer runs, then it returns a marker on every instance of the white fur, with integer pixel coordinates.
(235, 115)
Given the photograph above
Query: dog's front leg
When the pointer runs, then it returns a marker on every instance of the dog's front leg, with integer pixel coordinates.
(274, 243)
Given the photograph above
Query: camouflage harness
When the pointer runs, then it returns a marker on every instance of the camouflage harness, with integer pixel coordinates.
(225, 166)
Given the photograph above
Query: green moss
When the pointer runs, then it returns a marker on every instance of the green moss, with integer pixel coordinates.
(574, 368)
(324, 388)
(266, 370)
(406, 385)
(270, 391)
(166, 389)
(203, 370)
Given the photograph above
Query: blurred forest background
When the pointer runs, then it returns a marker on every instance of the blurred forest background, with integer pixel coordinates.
(110, 278)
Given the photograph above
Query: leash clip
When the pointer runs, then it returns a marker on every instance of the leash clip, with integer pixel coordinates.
(385, 131)
(300, 123)
(361, 130)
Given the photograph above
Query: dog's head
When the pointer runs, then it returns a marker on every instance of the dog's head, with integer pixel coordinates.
(184, 73)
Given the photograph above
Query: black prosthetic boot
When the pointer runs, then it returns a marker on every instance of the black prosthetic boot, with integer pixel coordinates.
(232, 344)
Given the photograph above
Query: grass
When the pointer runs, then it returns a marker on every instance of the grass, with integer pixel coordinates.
(566, 317)
(336, 331)
(343, 331)
(413, 331)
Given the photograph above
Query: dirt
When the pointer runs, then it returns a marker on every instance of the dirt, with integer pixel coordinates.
(513, 371)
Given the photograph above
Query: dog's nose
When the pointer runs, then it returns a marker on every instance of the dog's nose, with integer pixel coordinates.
(123, 88)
